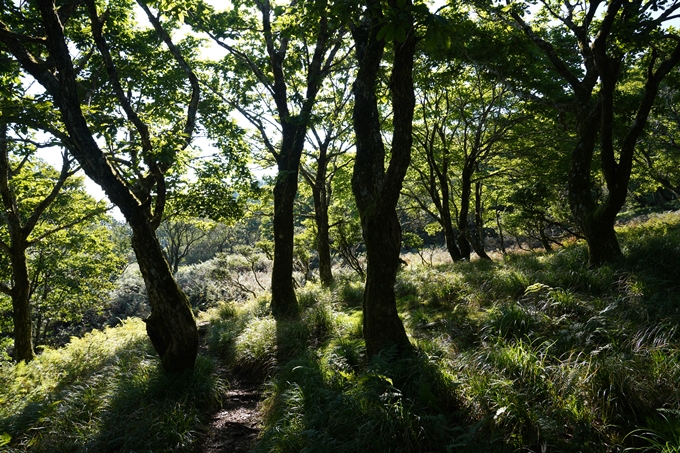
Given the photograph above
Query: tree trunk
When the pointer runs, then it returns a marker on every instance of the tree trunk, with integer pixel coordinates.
(500, 232)
(23, 336)
(323, 243)
(603, 246)
(382, 326)
(375, 190)
(479, 223)
(284, 302)
(321, 195)
(445, 215)
(444, 206)
(171, 326)
(545, 241)
(450, 237)
(463, 228)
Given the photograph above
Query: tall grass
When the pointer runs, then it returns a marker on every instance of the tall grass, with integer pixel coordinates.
(105, 392)
(532, 352)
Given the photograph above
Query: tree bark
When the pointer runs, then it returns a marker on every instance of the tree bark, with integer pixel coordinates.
(445, 212)
(375, 190)
(479, 223)
(171, 326)
(463, 227)
(21, 306)
(284, 302)
(321, 196)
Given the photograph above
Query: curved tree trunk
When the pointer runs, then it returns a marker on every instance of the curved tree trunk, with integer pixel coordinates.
(171, 326)
(375, 190)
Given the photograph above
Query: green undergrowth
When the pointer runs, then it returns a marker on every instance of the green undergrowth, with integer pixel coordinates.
(105, 392)
(533, 352)
(528, 353)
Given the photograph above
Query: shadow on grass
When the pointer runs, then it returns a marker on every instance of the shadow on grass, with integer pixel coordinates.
(334, 401)
(120, 400)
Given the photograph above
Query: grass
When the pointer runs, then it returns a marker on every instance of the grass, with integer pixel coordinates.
(105, 392)
(530, 352)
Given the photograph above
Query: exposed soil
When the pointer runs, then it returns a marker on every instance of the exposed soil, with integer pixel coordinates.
(235, 427)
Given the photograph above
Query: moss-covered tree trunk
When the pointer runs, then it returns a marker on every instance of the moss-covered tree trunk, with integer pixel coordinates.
(171, 326)
(377, 191)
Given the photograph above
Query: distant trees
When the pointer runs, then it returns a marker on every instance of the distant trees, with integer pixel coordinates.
(329, 141)
(464, 117)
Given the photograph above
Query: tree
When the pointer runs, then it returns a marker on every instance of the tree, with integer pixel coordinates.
(72, 272)
(465, 119)
(20, 226)
(659, 151)
(282, 97)
(179, 235)
(593, 57)
(37, 205)
(377, 190)
(329, 140)
(141, 82)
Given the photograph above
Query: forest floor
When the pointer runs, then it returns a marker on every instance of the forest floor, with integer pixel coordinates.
(235, 427)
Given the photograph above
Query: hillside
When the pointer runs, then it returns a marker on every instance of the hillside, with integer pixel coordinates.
(529, 352)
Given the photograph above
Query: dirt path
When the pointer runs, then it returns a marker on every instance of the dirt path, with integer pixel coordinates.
(236, 426)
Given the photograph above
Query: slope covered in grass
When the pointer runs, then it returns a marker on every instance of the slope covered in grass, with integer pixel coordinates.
(531, 352)
(104, 392)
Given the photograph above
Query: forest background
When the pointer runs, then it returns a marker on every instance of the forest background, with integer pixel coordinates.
(479, 130)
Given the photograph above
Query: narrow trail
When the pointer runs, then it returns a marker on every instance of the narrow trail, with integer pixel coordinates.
(235, 427)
